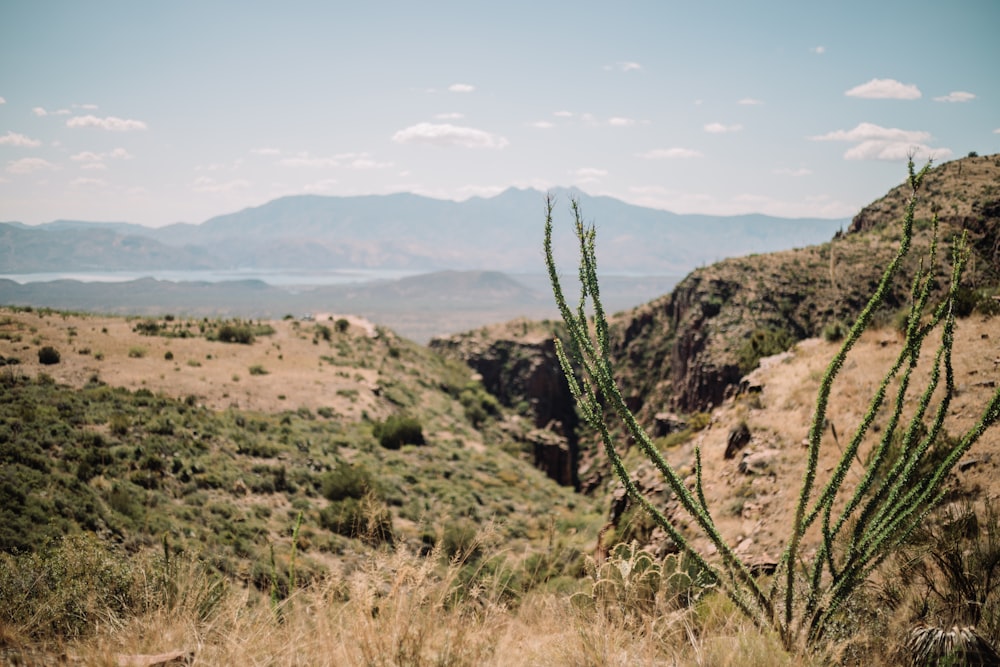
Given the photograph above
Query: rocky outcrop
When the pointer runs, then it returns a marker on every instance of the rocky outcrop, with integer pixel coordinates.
(517, 364)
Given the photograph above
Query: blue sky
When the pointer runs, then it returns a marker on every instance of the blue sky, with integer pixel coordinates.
(160, 112)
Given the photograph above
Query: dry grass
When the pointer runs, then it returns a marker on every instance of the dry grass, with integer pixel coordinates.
(396, 609)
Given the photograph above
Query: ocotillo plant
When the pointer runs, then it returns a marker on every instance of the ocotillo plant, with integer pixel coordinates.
(902, 481)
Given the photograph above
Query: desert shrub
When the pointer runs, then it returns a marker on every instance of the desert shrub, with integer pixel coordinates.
(341, 325)
(235, 333)
(763, 342)
(48, 355)
(834, 332)
(399, 430)
(323, 331)
(346, 481)
(168, 355)
(65, 589)
(147, 328)
(367, 519)
(969, 300)
(257, 369)
(478, 404)
(136, 352)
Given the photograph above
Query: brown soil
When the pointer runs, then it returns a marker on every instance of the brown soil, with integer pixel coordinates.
(216, 374)
(755, 509)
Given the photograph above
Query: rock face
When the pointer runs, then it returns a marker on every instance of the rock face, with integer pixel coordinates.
(688, 350)
(518, 364)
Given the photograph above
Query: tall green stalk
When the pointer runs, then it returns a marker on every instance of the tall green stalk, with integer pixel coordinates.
(881, 511)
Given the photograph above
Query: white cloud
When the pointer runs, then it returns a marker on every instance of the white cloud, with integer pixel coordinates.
(42, 112)
(885, 143)
(447, 135)
(818, 50)
(454, 115)
(618, 121)
(785, 171)
(750, 101)
(669, 154)
(629, 66)
(28, 165)
(542, 124)
(885, 89)
(3, 101)
(89, 156)
(206, 184)
(719, 128)
(870, 131)
(15, 139)
(85, 156)
(562, 114)
(265, 151)
(83, 182)
(895, 151)
(996, 131)
(956, 96)
(86, 107)
(96, 166)
(112, 123)
(461, 88)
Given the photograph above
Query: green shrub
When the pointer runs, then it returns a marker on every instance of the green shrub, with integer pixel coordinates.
(347, 481)
(399, 430)
(136, 352)
(235, 333)
(48, 355)
(367, 519)
(763, 342)
(66, 589)
(834, 332)
(257, 369)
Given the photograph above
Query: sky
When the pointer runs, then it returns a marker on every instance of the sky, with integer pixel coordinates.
(160, 112)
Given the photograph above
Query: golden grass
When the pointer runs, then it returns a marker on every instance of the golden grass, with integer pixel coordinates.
(396, 609)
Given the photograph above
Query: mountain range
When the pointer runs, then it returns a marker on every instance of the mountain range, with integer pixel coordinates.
(402, 231)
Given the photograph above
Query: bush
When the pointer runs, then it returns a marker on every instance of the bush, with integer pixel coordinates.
(48, 355)
(397, 431)
(763, 342)
(347, 481)
(257, 369)
(235, 333)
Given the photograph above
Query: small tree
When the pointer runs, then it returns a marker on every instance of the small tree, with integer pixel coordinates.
(892, 498)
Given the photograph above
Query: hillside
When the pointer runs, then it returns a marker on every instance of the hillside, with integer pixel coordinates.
(147, 430)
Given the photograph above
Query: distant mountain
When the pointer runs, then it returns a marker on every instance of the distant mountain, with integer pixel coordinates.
(404, 231)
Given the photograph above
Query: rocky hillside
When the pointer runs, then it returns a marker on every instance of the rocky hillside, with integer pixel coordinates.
(687, 351)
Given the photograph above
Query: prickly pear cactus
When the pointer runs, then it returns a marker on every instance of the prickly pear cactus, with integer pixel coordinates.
(632, 581)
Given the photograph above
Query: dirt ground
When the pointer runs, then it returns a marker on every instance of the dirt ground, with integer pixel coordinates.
(216, 374)
(755, 507)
